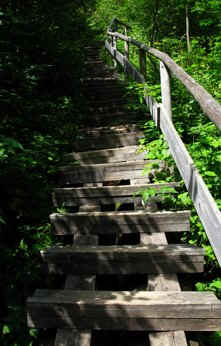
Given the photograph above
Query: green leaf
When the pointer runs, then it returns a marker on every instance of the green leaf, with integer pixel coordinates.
(33, 332)
(2, 220)
(117, 205)
(216, 284)
(5, 329)
(200, 286)
(185, 199)
(210, 174)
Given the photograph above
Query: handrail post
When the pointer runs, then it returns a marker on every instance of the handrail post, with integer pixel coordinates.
(114, 42)
(126, 45)
(165, 89)
(142, 62)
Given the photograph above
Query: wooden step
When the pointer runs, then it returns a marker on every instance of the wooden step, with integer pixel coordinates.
(134, 259)
(70, 337)
(108, 310)
(104, 94)
(108, 140)
(120, 222)
(75, 174)
(111, 102)
(101, 83)
(69, 197)
(124, 154)
(87, 80)
(163, 282)
(105, 118)
(106, 107)
(98, 72)
(116, 117)
(110, 130)
(103, 89)
(95, 61)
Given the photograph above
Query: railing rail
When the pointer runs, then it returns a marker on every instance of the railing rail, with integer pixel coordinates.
(203, 201)
(208, 104)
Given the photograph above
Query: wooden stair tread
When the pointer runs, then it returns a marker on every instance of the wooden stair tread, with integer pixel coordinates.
(133, 259)
(121, 165)
(104, 137)
(163, 282)
(119, 129)
(91, 173)
(104, 141)
(151, 250)
(70, 337)
(120, 222)
(176, 338)
(127, 153)
(104, 195)
(124, 310)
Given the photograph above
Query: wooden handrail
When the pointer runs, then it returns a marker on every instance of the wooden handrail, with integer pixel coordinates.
(208, 104)
(116, 21)
(203, 201)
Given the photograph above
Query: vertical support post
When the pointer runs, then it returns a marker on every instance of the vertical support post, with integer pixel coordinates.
(126, 46)
(142, 61)
(114, 42)
(165, 89)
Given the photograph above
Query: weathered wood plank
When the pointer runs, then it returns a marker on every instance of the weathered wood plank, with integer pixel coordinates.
(124, 259)
(142, 62)
(176, 338)
(120, 222)
(126, 46)
(71, 337)
(160, 311)
(165, 89)
(73, 174)
(163, 282)
(103, 195)
(128, 153)
(140, 181)
(106, 141)
(203, 201)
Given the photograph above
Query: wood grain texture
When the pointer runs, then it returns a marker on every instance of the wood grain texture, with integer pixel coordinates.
(71, 337)
(120, 222)
(73, 174)
(124, 259)
(124, 310)
(165, 89)
(106, 141)
(163, 282)
(102, 195)
(176, 338)
(128, 153)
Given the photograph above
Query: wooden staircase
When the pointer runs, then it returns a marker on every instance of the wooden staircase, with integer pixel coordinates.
(121, 273)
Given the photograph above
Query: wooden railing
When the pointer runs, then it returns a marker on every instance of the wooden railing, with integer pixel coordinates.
(203, 201)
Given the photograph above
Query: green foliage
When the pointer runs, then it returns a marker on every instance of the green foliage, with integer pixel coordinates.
(41, 110)
(214, 286)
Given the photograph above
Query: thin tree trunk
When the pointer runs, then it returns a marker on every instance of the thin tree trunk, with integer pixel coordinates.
(155, 22)
(188, 31)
